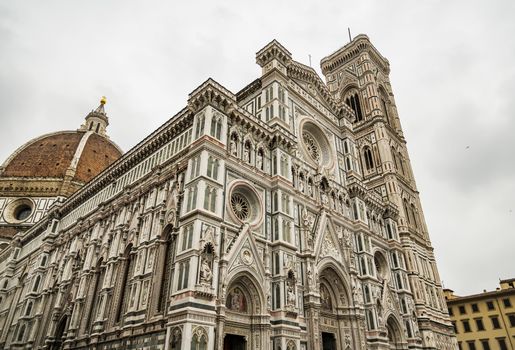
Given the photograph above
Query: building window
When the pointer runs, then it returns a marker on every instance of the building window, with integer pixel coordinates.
(450, 311)
(184, 271)
(462, 310)
(455, 327)
(502, 344)
(370, 320)
(471, 344)
(187, 237)
(212, 168)
(353, 102)
(512, 320)
(195, 167)
(200, 126)
(479, 324)
(192, 198)
(369, 161)
(28, 310)
(35, 287)
(506, 302)
(21, 333)
(490, 305)
(198, 342)
(485, 344)
(466, 326)
(475, 308)
(495, 322)
(216, 127)
(210, 199)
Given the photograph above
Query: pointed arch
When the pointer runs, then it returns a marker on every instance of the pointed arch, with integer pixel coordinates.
(394, 333)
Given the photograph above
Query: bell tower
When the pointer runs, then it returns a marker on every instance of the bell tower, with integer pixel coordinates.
(357, 75)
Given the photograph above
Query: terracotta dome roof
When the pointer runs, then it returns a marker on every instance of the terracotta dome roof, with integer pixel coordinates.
(79, 154)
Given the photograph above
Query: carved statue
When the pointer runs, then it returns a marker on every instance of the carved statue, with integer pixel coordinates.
(301, 185)
(259, 161)
(246, 154)
(291, 293)
(233, 148)
(206, 275)
(171, 204)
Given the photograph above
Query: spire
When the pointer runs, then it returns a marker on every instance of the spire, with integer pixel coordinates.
(97, 120)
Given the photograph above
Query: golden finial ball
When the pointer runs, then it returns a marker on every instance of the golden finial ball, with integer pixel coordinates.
(103, 100)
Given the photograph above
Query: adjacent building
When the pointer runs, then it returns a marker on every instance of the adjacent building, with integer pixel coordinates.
(283, 216)
(484, 321)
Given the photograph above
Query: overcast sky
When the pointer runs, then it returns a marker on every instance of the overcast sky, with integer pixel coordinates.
(452, 72)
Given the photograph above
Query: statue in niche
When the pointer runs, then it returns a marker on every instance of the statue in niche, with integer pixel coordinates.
(206, 275)
(171, 204)
(259, 159)
(291, 294)
(301, 185)
(325, 198)
(246, 153)
(234, 152)
(236, 300)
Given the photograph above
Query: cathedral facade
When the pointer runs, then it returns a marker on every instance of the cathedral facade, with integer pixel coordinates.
(284, 216)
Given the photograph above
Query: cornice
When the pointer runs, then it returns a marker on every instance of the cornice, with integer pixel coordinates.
(352, 50)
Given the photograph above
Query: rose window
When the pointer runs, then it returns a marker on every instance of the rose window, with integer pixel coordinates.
(240, 206)
(311, 145)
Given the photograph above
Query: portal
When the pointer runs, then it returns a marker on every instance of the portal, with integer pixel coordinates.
(234, 342)
(328, 341)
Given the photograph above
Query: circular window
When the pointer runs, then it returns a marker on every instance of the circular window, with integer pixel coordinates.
(312, 146)
(18, 210)
(244, 203)
(315, 144)
(22, 212)
(240, 206)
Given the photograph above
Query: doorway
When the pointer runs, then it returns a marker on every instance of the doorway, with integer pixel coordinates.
(328, 341)
(234, 342)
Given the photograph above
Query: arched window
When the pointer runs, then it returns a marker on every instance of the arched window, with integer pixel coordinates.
(176, 339)
(21, 333)
(184, 271)
(353, 102)
(401, 163)
(284, 166)
(199, 130)
(98, 128)
(385, 110)
(369, 161)
(394, 158)
(124, 285)
(406, 211)
(212, 168)
(37, 281)
(210, 199)
(414, 215)
(216, 127)
(370, 320)
(366, 291)
(192, 198)
(198, 342)
(28, 310)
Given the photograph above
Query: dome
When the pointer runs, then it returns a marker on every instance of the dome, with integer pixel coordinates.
(53, 155)
(60, 163)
